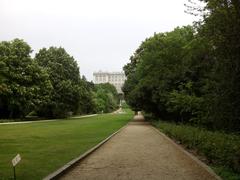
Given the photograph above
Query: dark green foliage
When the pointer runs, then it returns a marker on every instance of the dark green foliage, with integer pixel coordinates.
(221, 28)
(65, 79)
(124, 105)
(191, 75)
(162, 81)
(86, 104)
(106, 97)
(220, 149)
(71, 94)
(48, 85)
(24, 85)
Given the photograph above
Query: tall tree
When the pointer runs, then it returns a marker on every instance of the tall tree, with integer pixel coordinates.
(221, 27)
(65, 78)
(24, 85)
(157, 69)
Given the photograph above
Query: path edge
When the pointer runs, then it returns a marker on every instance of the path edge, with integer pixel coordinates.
(42, 121)
(62, 170)
(195, 159)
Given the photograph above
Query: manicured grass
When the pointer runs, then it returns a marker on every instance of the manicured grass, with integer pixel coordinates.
(46, 146)
(221, 150)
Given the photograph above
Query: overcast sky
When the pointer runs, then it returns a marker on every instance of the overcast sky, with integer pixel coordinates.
(99, 34)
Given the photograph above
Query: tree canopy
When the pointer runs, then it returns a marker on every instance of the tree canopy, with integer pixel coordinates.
(106, 97)
(191, 74)
(24, 85)
(65, 79)
(48, 85)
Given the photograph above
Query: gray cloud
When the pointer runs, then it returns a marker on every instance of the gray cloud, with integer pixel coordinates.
(101, 35)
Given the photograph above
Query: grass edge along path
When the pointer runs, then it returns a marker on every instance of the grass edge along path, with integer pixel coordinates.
(45, 147)
(220, 150)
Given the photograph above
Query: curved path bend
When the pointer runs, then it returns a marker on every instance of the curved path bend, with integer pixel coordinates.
(139, 152)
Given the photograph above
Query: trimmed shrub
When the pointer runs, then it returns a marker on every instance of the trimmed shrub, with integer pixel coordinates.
(219, 148)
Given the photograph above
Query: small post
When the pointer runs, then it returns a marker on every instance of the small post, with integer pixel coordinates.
(15, 161)
(14, 173)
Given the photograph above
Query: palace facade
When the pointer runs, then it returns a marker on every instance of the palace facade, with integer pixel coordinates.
(115, 78)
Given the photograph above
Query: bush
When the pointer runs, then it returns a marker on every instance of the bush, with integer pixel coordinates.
(106, 98)
(219, 148)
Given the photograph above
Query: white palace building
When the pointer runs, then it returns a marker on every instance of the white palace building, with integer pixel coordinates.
(115, 78)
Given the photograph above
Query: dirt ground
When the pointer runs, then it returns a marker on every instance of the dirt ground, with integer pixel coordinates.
(138, 152)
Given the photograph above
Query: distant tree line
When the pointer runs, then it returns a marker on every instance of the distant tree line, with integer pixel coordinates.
(191, 74)
(48, 85)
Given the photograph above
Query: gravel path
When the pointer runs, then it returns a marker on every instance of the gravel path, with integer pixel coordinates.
(138, 152)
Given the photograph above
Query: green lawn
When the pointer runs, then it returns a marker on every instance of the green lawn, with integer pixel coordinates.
(46, 146)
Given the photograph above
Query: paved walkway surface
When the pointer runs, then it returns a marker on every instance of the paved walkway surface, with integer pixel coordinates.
(138, 152)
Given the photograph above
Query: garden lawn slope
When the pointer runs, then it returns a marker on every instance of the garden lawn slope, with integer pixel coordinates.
(46, 146)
